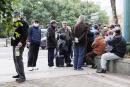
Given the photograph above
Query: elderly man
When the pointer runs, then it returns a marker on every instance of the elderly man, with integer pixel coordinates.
(66, 30)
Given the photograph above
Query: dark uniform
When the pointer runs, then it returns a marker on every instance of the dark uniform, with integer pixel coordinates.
(20, 35)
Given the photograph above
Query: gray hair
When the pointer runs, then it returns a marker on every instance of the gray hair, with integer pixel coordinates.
(81, 19)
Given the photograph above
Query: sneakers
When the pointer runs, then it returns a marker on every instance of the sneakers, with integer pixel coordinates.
(30, 69)
(101, 71)
(20, 80)
(33, 68)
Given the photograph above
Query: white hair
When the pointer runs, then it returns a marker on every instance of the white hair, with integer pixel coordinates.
(81, 19)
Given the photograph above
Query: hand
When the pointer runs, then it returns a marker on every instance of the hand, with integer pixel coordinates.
(19, 44)
(28, 43)
(76, 40)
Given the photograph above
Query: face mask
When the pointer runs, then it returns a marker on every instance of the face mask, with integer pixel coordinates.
(54, 25)
(36, 25)
(15, 19)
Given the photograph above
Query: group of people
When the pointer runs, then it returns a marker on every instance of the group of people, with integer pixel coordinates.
(86, 42)
(82, 43)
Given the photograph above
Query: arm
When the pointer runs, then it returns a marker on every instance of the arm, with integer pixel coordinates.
(29, 34)
(51, 35)
(113, 42)
(24, 32)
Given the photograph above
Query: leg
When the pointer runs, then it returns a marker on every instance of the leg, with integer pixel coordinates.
(35, 55)
(50, 57)
(80, 57)
(19, 64)
(14, 57)
(75, 57)
(31, 55)
(107, 56)
(67, 59)
(90, 56)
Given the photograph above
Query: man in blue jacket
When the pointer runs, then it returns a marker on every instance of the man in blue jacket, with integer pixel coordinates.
(34, 39)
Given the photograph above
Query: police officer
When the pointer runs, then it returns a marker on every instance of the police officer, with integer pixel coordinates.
(18, 42)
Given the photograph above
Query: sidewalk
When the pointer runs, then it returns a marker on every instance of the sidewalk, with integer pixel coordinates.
(59, 77)
(70, 78)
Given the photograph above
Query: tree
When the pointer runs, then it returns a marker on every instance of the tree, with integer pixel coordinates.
(6, 10)
(103, 18)
(113, 6)
(59, 10)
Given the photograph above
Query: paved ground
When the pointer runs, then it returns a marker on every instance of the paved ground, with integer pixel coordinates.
(59, 77)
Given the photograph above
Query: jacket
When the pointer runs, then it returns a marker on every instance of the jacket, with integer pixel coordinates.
(99, 45)
(119, 45)
(67, 32)
(34, 35)
(51, 40)
(80, 32)
(20, 34)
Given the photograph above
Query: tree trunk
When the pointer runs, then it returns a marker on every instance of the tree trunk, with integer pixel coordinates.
(113, 6)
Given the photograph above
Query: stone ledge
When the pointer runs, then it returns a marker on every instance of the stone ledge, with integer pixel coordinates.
(121, 66)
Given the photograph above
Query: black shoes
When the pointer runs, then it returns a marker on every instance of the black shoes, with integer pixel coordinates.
(17, 76)
(20, 80)
(78, 69)
(69, 65)
(101, 71)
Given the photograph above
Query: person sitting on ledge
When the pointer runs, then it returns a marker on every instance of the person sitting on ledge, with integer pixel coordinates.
(98, 48)
(119, 49)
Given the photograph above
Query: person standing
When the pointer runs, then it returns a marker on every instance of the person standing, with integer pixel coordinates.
(67, 32)
(18, 41)
(79, 32)
(34, 39)
(51, 42)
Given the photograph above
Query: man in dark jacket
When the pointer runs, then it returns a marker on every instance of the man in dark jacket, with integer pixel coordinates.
(18, 42)
(51, 42)
(119, 49)
(34, 39)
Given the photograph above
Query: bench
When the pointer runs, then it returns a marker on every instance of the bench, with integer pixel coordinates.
(121, 66)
